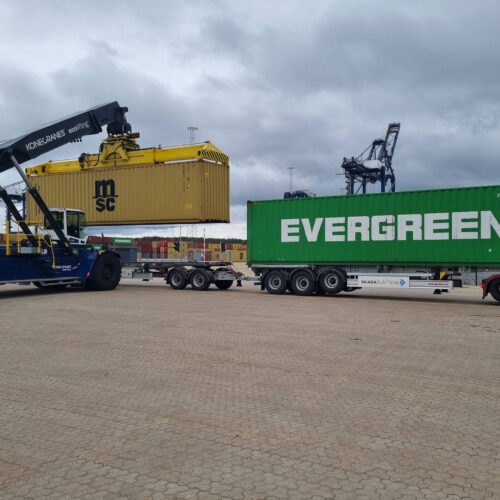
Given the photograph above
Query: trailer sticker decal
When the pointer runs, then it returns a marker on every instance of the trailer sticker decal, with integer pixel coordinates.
(383, 282)
(471, 225)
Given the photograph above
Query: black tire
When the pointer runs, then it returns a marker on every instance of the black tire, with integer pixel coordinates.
(199, 280)
(177, 278)
(107, 273)
(275, 282)
(495, 289)
(302, 283)
(223, 284)
(331, 281)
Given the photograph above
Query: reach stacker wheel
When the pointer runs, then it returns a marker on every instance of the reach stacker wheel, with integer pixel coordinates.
(200, 280)
(275, 282)
(107, 273)
(177, 278)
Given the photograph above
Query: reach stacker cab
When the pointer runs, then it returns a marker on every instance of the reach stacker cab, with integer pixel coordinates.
(73, 223)
(54, 253)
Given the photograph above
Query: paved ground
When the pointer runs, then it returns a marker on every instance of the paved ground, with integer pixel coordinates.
(145, 392)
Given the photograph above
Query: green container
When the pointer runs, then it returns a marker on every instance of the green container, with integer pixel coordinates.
(123, 241)
(448, 227)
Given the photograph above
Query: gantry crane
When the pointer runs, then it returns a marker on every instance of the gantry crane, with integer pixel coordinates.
(373, 165)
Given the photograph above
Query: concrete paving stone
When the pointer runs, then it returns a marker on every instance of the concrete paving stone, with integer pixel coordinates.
(177, 489)
(159, 388)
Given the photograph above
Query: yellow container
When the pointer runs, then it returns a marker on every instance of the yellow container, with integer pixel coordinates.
(238, 255)
(164, 193)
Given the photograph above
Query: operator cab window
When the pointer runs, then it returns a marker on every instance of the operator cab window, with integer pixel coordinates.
(58, 217)
(74, 224)
(83, 225)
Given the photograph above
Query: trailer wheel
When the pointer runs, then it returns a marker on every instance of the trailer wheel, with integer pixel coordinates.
(223, 284)
(107, 273)
(199, 280)
(275, 282)
(331, 281)
(495, 289)
(302, 283)
(177, 278)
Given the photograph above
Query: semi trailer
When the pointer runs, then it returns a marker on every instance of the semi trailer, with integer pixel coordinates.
(407, 239)
(427, 239)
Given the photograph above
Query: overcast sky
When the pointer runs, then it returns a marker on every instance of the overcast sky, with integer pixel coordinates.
(273, 84)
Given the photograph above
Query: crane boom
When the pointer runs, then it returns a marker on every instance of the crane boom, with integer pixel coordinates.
(68, 129)
(49, 137)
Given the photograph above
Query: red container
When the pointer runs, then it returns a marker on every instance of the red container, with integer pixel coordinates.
(99, 239)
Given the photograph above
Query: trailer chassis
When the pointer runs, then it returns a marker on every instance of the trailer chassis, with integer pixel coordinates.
(180, 273)
(306, 279)
(331, 280)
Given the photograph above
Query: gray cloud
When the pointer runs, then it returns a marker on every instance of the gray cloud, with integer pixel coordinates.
(273, 85)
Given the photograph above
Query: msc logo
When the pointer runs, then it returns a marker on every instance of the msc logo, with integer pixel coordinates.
(105, 195)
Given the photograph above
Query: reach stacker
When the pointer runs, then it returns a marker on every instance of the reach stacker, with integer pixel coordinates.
(53, 253)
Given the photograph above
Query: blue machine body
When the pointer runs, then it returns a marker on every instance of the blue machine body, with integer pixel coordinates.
(19, 267)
